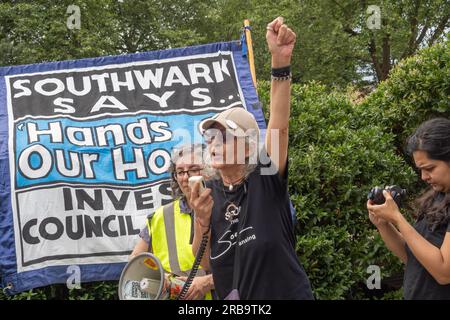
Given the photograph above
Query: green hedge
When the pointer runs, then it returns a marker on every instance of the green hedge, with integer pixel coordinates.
(101, 290)
(418, 89)
(334, 161)
(338, 151)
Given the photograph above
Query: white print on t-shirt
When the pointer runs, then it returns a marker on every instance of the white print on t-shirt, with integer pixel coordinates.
(249, 238)
(232, 236)
(232, 212)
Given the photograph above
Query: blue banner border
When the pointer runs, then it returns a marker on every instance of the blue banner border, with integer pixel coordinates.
(89, 272)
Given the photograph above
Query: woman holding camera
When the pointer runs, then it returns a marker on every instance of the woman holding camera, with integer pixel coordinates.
(246, 213)
(424, 247)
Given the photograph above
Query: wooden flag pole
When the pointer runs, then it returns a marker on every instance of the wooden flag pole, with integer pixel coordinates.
(251, 60)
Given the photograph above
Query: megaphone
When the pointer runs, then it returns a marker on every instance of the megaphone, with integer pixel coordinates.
(143, 278)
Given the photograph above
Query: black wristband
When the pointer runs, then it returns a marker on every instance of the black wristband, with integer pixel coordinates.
(281, 72)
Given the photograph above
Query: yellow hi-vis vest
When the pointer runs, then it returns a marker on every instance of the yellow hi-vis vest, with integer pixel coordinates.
(170, 232)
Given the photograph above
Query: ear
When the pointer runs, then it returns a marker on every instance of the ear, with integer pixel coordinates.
(250, 149)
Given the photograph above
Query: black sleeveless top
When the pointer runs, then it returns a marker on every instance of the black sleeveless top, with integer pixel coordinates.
(418, 283)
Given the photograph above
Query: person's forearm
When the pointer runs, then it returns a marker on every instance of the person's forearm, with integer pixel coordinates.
(426, 253)
(280, 96)
(280, 106)
(140, 247)
(199, 230)
(393, 240)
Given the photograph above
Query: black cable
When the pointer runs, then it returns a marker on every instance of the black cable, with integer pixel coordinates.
(198, 258)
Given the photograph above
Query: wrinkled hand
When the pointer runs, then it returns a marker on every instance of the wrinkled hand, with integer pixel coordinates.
(387, 212)
(281, 41)
(198, 289)
(201, 204)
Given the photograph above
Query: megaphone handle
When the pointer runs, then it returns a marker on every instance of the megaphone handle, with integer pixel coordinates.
(198, 258)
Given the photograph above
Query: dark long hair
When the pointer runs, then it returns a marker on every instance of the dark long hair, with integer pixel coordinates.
(432, 137)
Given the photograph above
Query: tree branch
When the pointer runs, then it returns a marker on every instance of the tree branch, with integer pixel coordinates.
(440, 29)
(413, 24)
(350, 31)
(423, 33)
(386, 66)
(373, 54)
(345, 12)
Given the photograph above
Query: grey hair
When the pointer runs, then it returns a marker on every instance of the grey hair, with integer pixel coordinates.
(200, 157)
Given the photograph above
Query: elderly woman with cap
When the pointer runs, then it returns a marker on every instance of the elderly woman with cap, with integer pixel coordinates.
(246, 212)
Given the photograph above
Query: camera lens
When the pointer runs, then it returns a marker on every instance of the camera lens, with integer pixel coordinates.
(376, 195)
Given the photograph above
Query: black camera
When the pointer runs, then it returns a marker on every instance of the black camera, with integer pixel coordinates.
(377, 197)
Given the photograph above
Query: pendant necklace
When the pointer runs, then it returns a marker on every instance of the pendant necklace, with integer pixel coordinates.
(231, 186)
(233, 210)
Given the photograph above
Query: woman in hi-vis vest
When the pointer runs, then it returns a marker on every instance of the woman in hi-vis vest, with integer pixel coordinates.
(168, 234)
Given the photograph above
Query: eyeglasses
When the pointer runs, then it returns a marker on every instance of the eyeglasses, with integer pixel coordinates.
(218, 135)
(190, 172)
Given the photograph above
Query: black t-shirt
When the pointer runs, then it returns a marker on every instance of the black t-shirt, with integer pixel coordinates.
(419, 284)
(268, 264)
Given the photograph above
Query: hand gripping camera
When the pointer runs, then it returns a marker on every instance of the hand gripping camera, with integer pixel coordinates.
(397, 193)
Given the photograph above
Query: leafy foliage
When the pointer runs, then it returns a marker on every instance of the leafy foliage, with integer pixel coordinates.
(335, 44)
(334, 162)
(101, 290)
(37, 31)
(338, 149)
(418, 89)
